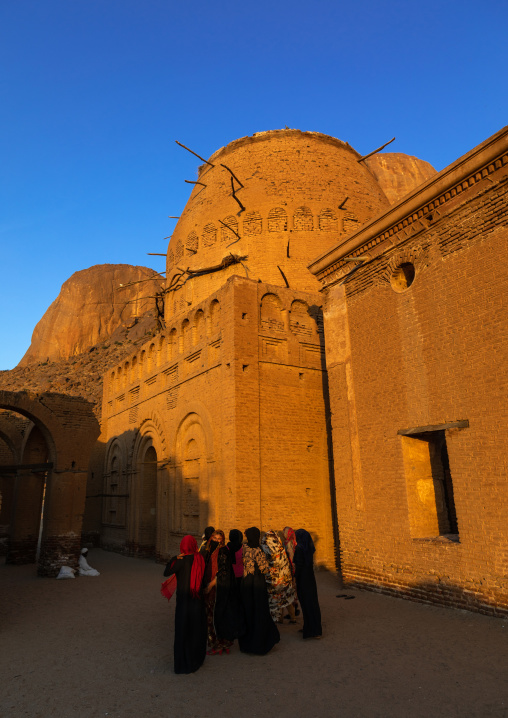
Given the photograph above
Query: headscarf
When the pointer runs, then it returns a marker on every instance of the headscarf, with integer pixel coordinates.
(215, 542)
(253, 535)
(280, 569)
(234, 543)
(306, 544)
(188, 546)
(289, 539)
(207, 533)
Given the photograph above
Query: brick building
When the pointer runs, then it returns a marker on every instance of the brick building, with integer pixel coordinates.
(222, 418)
(415, 329)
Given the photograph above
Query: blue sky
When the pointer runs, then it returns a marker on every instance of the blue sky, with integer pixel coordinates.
(95, 92)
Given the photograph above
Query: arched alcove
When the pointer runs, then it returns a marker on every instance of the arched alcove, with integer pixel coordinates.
(303, 220)
(228, 233)
(328, 221)
(252, 223)
(198, 330)
(301, 322)
(277, 220)
(214, 317)
(209, 235)
(114, 505)
(147, 535)
(191, 244)
(271, 313)
(191, 487)
(148, 476)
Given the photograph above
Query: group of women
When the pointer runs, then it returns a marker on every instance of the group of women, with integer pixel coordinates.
(240, 590)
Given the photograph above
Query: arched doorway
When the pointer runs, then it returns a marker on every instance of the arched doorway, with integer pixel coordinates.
(51, 440)
(191, 510)
(147, 535)
(29, 499)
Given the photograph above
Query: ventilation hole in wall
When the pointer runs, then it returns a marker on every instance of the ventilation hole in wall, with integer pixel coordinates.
(134, 394)
(244, 315)
(277, 220)
(133, 415)
(402, 277)
(171, 258)
(178, 251)
(245, 367)
(209, 235)
(252, 224)
(191, 245)
(172, 398)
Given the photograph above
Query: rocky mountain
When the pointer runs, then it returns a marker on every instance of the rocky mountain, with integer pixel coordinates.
(92, 305)
(92, 325)
(399, 174)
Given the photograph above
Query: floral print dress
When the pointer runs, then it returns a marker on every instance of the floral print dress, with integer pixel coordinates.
(279, 580)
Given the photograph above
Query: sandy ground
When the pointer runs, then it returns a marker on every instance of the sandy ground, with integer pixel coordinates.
(96, 647)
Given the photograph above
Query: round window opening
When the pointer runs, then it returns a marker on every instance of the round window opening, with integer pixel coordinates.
(403, 277)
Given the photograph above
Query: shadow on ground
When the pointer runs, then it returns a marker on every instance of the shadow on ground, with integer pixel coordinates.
(92, 647)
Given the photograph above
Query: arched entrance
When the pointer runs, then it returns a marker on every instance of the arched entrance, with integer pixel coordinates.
(50, 469)
(147, 536)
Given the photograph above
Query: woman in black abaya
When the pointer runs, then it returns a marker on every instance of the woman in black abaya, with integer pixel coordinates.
(306, 584)
(190, 618)
(262, 633)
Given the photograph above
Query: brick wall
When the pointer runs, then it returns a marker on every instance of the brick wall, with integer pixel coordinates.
(430, 357)
(236, 416)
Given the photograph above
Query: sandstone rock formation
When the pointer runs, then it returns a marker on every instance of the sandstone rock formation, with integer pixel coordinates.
(91, 306)
(399, 174)
(80, 375)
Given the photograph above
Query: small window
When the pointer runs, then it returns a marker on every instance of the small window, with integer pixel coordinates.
(429, 485)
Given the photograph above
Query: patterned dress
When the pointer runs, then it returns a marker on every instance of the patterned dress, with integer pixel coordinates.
(279, 580)
(261, 633)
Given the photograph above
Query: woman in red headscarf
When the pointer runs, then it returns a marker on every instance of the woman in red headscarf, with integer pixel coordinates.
(190, 618)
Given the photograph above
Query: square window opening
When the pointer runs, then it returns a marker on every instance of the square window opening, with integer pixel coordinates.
(429, 485)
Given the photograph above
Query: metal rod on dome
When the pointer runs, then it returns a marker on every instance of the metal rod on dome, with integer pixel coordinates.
(242, 208)
(195, 182)
(283, 276)
(170, 217)
(231, 228)
(375, 151)
(233, 175)
(194, 153)
(156, 254)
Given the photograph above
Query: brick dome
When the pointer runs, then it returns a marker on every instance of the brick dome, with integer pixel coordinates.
(293, 185)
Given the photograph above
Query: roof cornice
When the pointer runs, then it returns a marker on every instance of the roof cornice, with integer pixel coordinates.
(470, 168)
